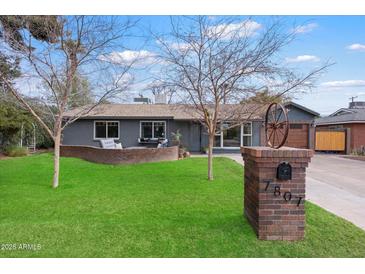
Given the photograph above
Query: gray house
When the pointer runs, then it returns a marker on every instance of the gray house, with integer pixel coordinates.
(143, 124)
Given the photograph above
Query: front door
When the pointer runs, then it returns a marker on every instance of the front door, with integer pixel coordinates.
(231, 137)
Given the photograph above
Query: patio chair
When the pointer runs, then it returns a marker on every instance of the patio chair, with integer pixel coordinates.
(110, 144)
(163, 143)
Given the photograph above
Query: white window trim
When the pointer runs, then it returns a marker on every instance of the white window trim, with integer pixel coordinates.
(245, 134)
(106, 121)
(241, 138)
(220, 139)
(153, 128)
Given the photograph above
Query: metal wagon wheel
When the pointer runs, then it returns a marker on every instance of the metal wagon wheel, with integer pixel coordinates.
(276, 125)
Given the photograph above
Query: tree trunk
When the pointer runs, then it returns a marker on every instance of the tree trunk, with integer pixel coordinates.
(56, 159)
(210, 157)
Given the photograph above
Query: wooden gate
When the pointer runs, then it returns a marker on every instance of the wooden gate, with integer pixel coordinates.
(330, 140)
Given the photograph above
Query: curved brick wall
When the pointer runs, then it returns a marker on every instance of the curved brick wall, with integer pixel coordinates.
(120, 156)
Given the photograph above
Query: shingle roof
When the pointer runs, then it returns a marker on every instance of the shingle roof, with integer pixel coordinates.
(356, 115)
(173, 111)
(129, 111)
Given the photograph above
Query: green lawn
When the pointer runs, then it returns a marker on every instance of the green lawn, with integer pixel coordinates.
(163, 209)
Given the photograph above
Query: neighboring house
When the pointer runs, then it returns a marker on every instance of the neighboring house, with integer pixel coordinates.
(343, 130)
(134, 124)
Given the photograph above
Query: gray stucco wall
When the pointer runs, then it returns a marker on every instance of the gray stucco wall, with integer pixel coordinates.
(190, 132)
(194, 136)
(81, 132)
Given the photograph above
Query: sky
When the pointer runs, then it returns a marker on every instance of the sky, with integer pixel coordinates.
(339, 39)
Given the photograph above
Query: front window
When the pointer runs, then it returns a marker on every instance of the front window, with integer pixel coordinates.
(100, 129)
(159, 130)
(231, 136)
(113, 130)
(247, 129)
(217, 140)
(146, 129)
(247, 134)
(153, 129)
(218, 136)
(106, 130)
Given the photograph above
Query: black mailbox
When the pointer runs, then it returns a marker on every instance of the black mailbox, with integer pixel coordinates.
(284, 171)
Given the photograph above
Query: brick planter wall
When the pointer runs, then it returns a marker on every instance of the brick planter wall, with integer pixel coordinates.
(120, 156)
(271, 215)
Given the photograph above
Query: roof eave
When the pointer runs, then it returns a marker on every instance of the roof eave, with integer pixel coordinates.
(314, 113)
(120, 117)
(340, 122)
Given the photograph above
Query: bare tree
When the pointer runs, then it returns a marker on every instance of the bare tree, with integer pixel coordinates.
(214, 69)
(158, 87)
(80, 47)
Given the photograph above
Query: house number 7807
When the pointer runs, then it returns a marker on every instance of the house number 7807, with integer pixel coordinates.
(287, 195)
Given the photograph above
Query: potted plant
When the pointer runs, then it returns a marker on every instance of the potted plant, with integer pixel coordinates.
(176, 140)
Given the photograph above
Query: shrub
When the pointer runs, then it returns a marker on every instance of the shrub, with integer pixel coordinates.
(43, 139)
(359, 151)
(15, 151)
(204, 150)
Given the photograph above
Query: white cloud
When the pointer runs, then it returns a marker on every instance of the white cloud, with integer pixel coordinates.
(131, 57)
(180, 46)
(352, 93)
(359, 47)
(124, 79)
(173, 45)
(302, 58)
(346, 83)
(225, 31)
(305, 28)
(242, 29)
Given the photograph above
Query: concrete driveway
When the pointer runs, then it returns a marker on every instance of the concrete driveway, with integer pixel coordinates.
(338, 185)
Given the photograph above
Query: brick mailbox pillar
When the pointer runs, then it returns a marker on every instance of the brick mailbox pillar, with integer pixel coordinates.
(274, 196)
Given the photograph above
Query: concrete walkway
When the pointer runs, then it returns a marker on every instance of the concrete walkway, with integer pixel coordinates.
(334, 183)
(234, 156)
